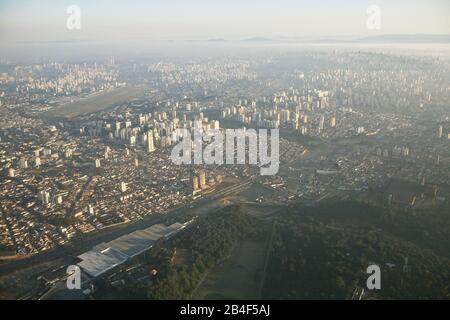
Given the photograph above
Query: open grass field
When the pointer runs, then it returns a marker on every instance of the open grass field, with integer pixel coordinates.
(239, 276)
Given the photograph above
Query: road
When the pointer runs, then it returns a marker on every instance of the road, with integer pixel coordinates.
(109, 235)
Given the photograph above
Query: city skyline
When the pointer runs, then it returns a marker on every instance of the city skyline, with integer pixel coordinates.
(229, 151)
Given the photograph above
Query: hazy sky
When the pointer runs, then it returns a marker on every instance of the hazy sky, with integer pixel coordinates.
(119, 20)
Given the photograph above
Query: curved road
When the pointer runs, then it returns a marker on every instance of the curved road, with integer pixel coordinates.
(74, 249)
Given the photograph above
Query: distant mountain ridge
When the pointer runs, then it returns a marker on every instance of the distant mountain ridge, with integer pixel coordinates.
(407, 38)
(386, 38)
(258, 39)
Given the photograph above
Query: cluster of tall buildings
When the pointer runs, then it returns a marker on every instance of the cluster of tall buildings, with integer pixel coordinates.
(301, 111)
(200, 183)
(149, 131)
(63, 79)
(441, 133)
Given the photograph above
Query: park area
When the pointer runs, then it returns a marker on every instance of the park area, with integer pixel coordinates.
(239, 276)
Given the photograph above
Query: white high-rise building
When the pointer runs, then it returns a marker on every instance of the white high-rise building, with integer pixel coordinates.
(44, 197)
(23, 164)
(97, 163)
(37, 162)
(11, 173)
(195, 183)
(202, 179)
(68, 153)
(141, 120)
(321, 123)
(150, 142)
(333, 122)
(285, 116)
(123, 187)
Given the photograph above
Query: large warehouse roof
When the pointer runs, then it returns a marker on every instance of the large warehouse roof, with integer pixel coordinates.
(107, 255)
(95, 263)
